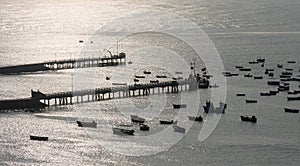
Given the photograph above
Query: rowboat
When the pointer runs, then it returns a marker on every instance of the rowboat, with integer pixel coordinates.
(252, 119)
(291, 110)
(92, 124)
(38, 138)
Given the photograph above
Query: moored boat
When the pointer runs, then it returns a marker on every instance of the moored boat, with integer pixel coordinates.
(161, 76)
(176, 106)
(38, 138)
(251, 101)
(240, 94)
(252, 119)
(123, 131)
(146, 72)
(291, 110)
(258, 77)
(137, 119)
(92, 124)
(144, 127)
(167, 122)
(197, 118)
(245, 69)
(265, 94)
(137, 76)
(291, 98)
(248, 75)
(273, 82)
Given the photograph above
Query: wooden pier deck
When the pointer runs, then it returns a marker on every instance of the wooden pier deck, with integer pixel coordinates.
(113, 60)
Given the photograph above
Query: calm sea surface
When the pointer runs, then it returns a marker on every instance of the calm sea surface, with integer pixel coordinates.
(241, 30)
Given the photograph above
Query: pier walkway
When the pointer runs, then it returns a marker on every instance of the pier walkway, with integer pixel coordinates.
(113, 60)
(98, 94)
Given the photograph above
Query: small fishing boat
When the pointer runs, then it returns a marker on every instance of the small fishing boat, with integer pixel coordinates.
(261, 60)
(137, 119)
(179, 129)
(161, 76)
(176, 106)
(123, 131)
(292, 98)
(252, 119)
(251, 101)
(265, 94)
(239, 67)
(234, 74)
(248, 75)
(289, 69)
(289, 110)
(253, 62)
(119, 84)
(279, 65)
(197, 118)
(80, 41)
(291, 61)
(147, 72)
(144, 127)
(240, 94)
(258, 77)
(167, 122)
(213, 86)
(285, 76)
(154, 81)
(129, 62)
(137, 76)
(245, 69)
(38, 138)
(286, 73)
(136, 80)
(107, 78)
(273, 82)
(92, 124)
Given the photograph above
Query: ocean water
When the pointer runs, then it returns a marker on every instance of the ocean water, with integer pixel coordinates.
(241, 31)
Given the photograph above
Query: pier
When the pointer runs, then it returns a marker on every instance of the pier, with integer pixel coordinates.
(113, 60)
(115, 92)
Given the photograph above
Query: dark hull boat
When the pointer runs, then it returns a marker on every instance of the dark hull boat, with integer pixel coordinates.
(198, 118)
(241, 94)
(245, 69)
(137, 119)
(251, 101)
(258, 77)
(147, 72)
(122, 131)
(139, 76)
(167, 122)
(291, 110)
(144, 127)
(265, 94)
(87, 124)
(38, 138)
(252, 119)
(176, 106)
